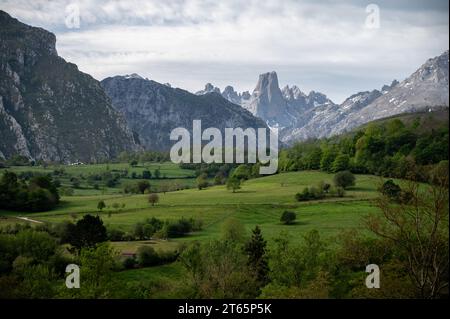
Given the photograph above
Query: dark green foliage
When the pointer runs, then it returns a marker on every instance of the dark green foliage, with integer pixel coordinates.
(143, 186)
(388, 148)
(129, 263)
(288, 217)
(146, 174)
(115, 234)
(133, 163)
(147, 256)
(168, 229)
(344, 179)
(87, 232)
(341, 163)
(39, 194)
(391, 190)
(255, 249)
(157, 173)
(101, 204)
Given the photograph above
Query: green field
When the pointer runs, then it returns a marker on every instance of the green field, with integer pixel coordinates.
(260, 202)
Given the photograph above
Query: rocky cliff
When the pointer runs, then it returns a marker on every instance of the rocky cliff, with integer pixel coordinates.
(49, 110)
(153, 110)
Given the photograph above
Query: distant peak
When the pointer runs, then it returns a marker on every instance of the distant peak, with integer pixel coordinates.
(133, 76)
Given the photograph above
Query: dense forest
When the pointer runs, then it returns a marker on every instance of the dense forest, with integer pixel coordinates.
(399, 147)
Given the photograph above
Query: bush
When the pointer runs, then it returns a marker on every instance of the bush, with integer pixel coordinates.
(202, 181)
(233, 183)
(115, 234)
(129, 263)
(88, 232)
(391, 190)
(146, 174)
(288, 217)
(147, 256)
(40, 194)
(143, 186)
(344, 179)
(303, 196)
(101, 204)
(340, 192)
(153, 199)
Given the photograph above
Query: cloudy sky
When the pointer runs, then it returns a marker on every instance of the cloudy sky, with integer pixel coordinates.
(335, 47)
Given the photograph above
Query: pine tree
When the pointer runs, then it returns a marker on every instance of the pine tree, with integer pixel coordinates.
(256, 253)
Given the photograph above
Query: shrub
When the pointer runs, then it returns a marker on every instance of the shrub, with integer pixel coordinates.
(147, 256)
(129, 262)
(143, 186)
(101, 204)
(233, 183)
(391, 190)
(88, 232)
(202, 181)
(146, 174)
(344, 179)
(288, 217)
(303, 196)
(153, 199)
(340, 192)
(115, 234)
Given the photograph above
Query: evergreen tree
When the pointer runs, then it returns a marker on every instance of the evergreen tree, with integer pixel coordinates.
(256, 254)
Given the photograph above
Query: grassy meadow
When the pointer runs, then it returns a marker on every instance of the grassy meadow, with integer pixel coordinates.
(259, 202)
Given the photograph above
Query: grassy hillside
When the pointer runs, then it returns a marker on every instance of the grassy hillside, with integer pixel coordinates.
(261, 202)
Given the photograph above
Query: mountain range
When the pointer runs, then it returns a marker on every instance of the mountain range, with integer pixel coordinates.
(153, 109)
(51, 111)
(301, 116)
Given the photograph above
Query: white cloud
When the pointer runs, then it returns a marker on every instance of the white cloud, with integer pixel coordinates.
(324, 46)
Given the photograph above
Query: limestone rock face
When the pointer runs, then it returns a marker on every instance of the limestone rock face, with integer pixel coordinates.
(49, 110)
(153, 110)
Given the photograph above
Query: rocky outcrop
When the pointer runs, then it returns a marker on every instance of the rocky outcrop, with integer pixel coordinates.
(153, 110)
(50, 110)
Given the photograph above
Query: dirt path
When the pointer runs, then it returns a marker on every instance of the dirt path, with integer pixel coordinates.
(30, 220)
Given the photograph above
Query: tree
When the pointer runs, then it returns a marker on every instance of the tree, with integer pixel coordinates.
(87, 232)
(146, 174)
(233, 183)
(391, 190)
(327, 159)
(153, 198)
(157, 173)
(344, 179)
(96, 268)
(133, 163)
(202, 181)
(101, 204)
(255, 249)
(147, 256)
(303, 196)
(288, 217)
(418, 230)
(233, 230)
(341, 163)
(143, 186)
(218, 269)
(242, 172)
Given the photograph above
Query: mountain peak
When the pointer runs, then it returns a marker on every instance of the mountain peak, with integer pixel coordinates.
(209, 88)
(133, 76)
